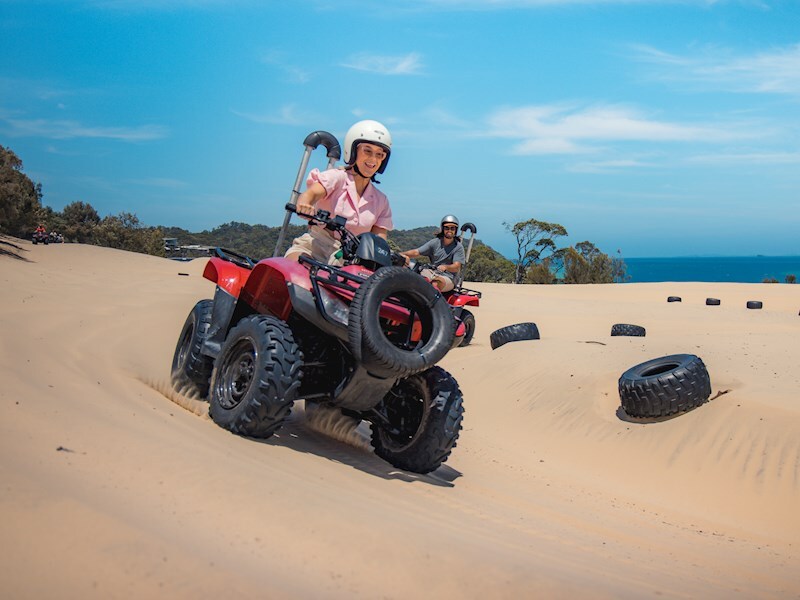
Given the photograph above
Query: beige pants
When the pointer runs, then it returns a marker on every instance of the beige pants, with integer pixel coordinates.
(318, 244)
(445, 283)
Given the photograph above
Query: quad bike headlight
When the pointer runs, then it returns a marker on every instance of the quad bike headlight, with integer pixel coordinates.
(335, 307)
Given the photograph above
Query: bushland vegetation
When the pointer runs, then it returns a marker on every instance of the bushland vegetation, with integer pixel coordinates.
(539, 258)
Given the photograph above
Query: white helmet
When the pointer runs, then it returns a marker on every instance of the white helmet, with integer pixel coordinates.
(367, 131)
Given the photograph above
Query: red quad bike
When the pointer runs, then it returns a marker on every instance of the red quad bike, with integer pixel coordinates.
(363, 337)
(459, 296)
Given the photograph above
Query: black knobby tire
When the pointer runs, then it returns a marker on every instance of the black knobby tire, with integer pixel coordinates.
(673, 299)
(256, 377)
(713, 302)
(664, 386)
(469, 324)
(755, 304)
(424, 412)
(629, 330)
(191, 369)
(513, 333)
(391, 355)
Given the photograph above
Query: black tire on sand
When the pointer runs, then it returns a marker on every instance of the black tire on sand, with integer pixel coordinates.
(513, 333)
(664, 386)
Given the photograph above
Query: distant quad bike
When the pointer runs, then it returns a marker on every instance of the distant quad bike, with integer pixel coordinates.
(40, 237)
(459, 296)
(364, 337)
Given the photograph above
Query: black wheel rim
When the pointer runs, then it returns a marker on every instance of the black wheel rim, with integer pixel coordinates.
(405, 409)
(237, 374)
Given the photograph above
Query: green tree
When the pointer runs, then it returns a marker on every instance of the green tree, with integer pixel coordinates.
(619, 269)
(585, 263)
(488, 265)
(535, 241)
(20, 198)
(80, 220)
(125, 232)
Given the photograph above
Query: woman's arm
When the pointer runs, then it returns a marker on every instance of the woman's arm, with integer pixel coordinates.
(307, 200)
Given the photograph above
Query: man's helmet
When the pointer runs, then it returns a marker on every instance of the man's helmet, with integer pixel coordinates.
(449, 219)
(371, 132)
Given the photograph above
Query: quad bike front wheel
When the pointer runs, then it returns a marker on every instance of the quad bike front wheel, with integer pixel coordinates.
(469, 324)
(191, 370)
(423, 415)
(256, 377)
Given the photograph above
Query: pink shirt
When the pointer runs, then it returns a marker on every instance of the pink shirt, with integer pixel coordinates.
(342, 199)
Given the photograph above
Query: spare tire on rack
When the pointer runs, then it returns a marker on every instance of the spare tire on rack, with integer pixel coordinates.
(513, 333)
(386, 353)
(664, 386)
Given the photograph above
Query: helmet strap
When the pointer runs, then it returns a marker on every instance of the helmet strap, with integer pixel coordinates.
(358, 171)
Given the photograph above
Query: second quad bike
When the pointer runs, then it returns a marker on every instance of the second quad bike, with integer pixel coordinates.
(363, 336)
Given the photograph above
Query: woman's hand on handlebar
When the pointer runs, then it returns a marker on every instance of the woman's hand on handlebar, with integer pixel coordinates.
(304, 209)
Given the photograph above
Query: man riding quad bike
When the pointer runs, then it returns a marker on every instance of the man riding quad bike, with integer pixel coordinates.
(363, 337)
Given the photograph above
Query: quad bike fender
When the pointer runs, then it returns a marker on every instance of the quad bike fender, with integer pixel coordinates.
(462, 300)
(226, 275)
(267, 288)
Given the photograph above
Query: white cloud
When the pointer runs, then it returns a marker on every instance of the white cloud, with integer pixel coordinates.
(408, 64)
(64, 129)
(286, 115)
(294, 73)
(775, 71)
(749, 158)
(516, 4)
(566, 129)
(609, 166)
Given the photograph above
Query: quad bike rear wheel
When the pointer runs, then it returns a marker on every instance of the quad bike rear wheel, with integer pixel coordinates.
(423, 415)
(191, 370)
(385, 351)
(256, 377)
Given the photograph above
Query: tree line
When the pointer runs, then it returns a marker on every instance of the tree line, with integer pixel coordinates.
(539, 258)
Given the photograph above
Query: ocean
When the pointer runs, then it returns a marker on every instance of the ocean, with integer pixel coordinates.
(736, 269)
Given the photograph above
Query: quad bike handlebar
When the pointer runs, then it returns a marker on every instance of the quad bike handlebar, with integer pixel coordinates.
(338, 224)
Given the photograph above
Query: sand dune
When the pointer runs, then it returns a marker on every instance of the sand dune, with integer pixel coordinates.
(117, 486)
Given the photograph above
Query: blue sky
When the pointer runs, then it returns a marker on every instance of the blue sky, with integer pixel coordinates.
(657, 128)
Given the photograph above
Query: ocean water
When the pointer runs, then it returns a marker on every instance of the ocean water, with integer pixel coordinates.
(736, 269)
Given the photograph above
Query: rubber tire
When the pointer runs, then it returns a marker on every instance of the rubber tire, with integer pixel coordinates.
(427, 408)
(469, 324)
(366, 337)
(629, 330)
(513, 333)
(256, 377)
(755, 304)
(712, 302)
(674, 299)
(191, 370)
(664, 386)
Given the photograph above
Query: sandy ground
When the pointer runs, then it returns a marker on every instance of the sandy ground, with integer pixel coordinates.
(115, 486)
